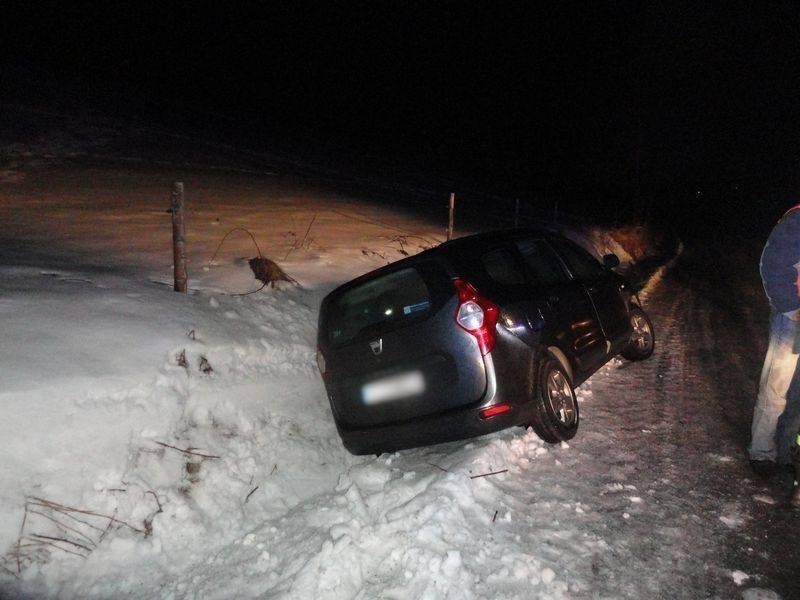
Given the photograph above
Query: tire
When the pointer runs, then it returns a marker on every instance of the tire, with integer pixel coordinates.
(556, 414)
(643, 337)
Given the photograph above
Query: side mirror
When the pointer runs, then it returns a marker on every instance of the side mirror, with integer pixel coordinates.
(610, 261)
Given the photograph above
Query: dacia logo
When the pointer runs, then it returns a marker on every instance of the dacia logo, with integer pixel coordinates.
(376, 346)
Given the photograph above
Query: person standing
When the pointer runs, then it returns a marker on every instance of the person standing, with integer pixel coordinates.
(795, 501)
(778, 403)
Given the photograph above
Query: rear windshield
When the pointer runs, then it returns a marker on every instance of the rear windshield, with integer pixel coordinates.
(379, 305)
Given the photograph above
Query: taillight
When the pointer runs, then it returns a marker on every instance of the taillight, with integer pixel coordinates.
(321, 362)
(493, 411)
(476, 315)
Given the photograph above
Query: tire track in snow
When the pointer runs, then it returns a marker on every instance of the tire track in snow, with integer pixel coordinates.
(693, 403)
(653, 415)
(735, 328)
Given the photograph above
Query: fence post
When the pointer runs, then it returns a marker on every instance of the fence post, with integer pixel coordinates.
(516, 213)
(452, 212)
(178, 239)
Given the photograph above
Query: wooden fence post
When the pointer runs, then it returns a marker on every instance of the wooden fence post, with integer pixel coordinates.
(178, 239)
(450, 220)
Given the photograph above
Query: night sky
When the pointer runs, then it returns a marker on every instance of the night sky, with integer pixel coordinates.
(650, 103)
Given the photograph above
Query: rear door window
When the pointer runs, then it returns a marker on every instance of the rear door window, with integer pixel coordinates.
(542, 261)
(377, 306)
(582, 264)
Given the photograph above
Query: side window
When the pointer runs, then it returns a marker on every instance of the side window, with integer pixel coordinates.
(581, 263)
(542, 262)
(501, 267)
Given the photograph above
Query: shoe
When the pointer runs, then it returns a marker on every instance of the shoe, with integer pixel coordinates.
(764, 468)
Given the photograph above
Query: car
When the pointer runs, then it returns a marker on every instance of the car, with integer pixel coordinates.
(478, 334)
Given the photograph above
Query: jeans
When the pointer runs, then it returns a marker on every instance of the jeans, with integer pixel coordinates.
(776, 417)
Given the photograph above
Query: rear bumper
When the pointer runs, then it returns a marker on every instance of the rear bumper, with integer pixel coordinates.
(457, 424)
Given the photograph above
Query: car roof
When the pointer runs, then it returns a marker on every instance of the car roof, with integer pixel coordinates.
(449, 248)
(492, 237)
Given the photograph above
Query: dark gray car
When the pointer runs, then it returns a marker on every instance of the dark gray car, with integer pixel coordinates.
(473, 336)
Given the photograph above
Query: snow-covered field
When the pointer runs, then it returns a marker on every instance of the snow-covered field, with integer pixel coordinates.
(160, 445)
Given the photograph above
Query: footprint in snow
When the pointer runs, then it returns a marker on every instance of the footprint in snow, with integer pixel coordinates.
(739, 577)
(764, 499)
(759, 594)
(732, 521)
(719, 457)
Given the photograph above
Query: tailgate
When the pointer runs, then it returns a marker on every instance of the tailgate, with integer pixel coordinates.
(394, 351)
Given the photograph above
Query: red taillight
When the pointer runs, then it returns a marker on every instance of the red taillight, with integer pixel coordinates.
(476, 315)
(321, 362)
(493, 411)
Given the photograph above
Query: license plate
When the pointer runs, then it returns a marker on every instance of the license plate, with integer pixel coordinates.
(394, 387)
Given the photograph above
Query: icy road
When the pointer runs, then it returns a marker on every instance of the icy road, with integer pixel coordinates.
(108, 408)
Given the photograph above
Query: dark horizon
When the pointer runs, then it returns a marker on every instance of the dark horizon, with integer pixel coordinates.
(656, 110)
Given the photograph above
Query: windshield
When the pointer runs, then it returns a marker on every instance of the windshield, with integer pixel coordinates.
(379, 305)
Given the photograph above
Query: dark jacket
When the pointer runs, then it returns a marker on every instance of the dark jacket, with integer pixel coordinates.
(780, 255)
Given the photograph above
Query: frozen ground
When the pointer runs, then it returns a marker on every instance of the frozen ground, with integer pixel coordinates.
(103, 386)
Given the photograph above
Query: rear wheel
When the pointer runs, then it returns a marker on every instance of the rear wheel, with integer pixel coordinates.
(556, 414)
(643, 338)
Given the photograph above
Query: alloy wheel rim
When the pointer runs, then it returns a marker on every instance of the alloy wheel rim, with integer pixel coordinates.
(561, 398)
(642, 336)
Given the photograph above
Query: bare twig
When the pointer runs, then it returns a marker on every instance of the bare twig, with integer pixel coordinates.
(275, 468)
(437, 466)
(19, 539)
(148, 522)
(186, 450)
(308, 229)
(252, 237)
(252, 291)
(295, 245)
(250, 494)
(64, 526)
(494, 518)
(156, 499)
(69, 515)
(487, 474)
(62, 507)
(366, 252)
(108, 528)
(57, 547)
(58, 539)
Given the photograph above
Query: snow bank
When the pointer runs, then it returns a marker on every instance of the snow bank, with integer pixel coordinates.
(183, 445)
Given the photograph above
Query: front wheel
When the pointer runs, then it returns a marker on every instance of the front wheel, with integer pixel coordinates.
(556, 414)
(643, 338)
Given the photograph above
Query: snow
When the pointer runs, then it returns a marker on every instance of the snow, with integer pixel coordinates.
(233, 481)
(739, 577)
(759, 594)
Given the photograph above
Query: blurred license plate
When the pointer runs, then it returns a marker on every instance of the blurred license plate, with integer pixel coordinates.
(391, 388)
